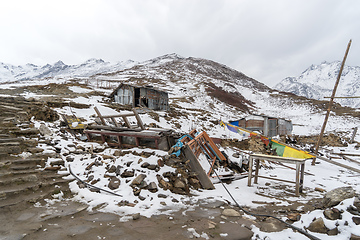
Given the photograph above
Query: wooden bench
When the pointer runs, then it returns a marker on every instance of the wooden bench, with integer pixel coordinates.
(300, 169)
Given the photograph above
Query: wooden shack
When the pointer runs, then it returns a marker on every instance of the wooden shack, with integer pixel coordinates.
(142, 96)
(268, 126)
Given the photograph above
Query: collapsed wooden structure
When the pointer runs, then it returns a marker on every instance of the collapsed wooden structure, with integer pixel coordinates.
(194, 144)
(126, 135)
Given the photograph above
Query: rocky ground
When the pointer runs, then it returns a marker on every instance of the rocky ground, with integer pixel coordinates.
(36, 203)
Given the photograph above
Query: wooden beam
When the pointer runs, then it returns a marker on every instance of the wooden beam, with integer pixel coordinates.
(100, 116)
(330, 102)
(339, 164)
(140, 123)
(196, 167)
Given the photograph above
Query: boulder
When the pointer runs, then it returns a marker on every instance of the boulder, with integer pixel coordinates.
(231, 213)
(354, 237)
(138, 179)
(152, 187)
(112, 169)
(356, 220)
(44, 130)
(333, 232)
(294, 216)
(145, 165)
(357, 203)
(179, 184)
(318, 226)
(114, 183)
(127, 173)
(335, 196)
(332, 214)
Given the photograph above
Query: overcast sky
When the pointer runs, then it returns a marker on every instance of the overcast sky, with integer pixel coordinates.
(266, 40)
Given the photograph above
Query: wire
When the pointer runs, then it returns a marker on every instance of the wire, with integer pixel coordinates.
(92, 186)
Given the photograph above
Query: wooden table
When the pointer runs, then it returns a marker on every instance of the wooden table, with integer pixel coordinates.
(300, 169)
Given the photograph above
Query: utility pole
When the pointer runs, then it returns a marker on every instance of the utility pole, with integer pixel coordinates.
(331, 102)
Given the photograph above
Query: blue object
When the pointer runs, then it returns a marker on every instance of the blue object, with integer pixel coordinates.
(180, 144)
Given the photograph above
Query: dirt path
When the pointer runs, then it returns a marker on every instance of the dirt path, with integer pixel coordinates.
(70, 220)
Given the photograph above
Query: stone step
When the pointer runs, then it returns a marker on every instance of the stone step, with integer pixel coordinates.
(5, 174)
(35, 161)
(9, 144)
(33, 194)
(10, 149)
(11, 179)
(23, 167)
(9, 139)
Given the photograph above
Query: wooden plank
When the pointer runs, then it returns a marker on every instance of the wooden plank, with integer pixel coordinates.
(351, 160)
(119, 115)
(140, 123)
(277, 179)
(196, 167)
(339, 164)
(127, 134)
(127, 123)
(347, 154)
(100, 116)
(114, 122)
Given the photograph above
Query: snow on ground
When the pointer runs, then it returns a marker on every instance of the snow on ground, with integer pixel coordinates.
(325, 176)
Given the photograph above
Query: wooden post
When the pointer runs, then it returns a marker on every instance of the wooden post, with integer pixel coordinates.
(330, 103)
(353, 135)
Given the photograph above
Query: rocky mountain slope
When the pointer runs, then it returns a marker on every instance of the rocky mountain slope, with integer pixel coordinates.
(198, 88)
(318, 82)
(11, 73)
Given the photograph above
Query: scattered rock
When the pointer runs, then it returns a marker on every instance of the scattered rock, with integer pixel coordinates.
(35, 150)
(151, 166)
(356, 220)
(70, 159)
(114, 183)
(52, 168)
(333, 232)
(152, 187)
(354, 237)
(44, 130)
(138, 179)
(145, 165)
(318, 226)
(136, 216)
(112, 169)
(117, 171)
(211, 224)
(294, 216)
(127, 173)
(337, 195)
(179, 184)
(104, 156)
(356, 203)
(231, 213)
(136, 191)
(160, 195)
(332, 214)
(319, 189)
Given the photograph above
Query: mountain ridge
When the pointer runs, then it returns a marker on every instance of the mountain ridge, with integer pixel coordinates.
(317, 82)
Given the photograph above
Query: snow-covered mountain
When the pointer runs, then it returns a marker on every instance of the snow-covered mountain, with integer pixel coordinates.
(318, 82)
(11, 73)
